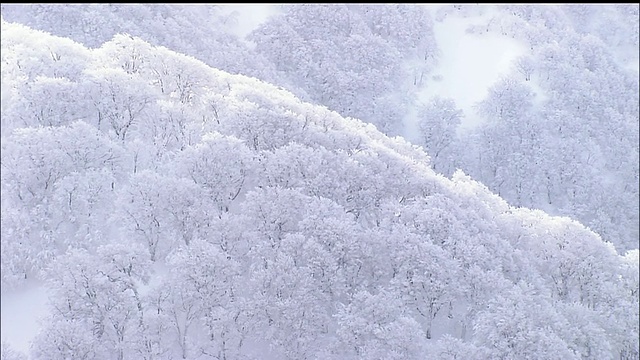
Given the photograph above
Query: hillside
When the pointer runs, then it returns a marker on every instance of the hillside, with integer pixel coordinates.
(537, 102)
(173, 210)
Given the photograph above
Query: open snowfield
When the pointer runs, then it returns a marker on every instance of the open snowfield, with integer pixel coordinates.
(469, 63)
(21, 310)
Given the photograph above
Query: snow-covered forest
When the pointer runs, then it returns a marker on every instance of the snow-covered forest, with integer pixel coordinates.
(320, 182)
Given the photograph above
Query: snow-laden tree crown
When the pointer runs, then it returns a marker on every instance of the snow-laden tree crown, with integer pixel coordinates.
(175, 210)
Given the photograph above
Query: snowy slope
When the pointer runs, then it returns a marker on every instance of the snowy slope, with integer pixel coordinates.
(469, 63)
(21, 311)
(313, 187)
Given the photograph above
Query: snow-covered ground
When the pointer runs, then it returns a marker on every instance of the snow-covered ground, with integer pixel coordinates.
(629, 58)
(20, 313)
(468, 65)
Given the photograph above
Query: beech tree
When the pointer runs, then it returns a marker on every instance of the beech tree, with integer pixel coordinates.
(374, 326)
(41, 169)
(162, 212)
(49, 101)
(510, 332)
(96, 302)
(424, 277)
(287, 306)
(119, 99)
(438, 121)
(450, 348)
(200, 302)
(84, 201)
(208, 164)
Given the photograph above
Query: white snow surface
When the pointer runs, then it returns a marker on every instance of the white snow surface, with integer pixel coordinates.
(467, 66)
(20, 313)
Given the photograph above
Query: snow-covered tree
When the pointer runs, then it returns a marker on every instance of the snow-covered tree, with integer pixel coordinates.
(375, 326)
(95, 302)
(438, 121)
